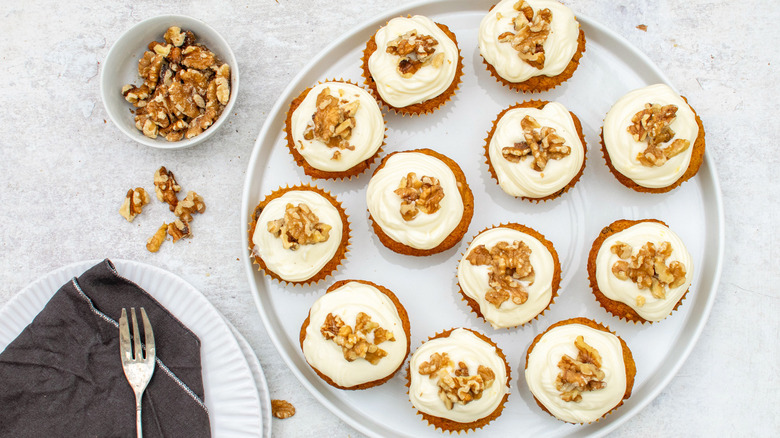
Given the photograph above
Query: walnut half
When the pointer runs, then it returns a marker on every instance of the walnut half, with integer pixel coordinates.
(166, 187)
(508, 264)
(134, 203)
(282, 409)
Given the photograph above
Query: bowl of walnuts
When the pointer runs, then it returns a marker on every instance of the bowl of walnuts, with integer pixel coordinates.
(169, 82)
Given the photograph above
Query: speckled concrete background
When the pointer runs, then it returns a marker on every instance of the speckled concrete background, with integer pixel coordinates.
(63, 166)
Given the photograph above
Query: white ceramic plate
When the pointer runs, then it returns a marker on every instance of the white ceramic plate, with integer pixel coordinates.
(231, 396)
(427, 287)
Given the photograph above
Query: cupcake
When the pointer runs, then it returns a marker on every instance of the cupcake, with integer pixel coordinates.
(652, 140)
(639, 271)
(299, 234)
(413, 65)
(356, 335)
(536, 150)
(419, 202)
(458, 380)
(531, 45)
(334, 130)
(509, 275)
(578, 371)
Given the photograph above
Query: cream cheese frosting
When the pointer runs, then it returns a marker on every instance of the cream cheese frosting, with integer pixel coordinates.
(346, 302)
(426, 83)
(367, 134)
(542, 370)
(623, 149)
(626, 291)
(306, 261)
(425, 231)
(520, 179)
(461, 346)
(559, 48)
(473, 279)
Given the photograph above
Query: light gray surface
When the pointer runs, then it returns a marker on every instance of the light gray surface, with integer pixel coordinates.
(65, 170)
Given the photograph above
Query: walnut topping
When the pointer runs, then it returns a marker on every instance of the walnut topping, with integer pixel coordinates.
(154, 242)
(134, 203)
(193, 203)
(355, 343)
(653, 125)
(282, 409)
(419, 195)
(580, 375)
(299, 226)
(541, 144)
(333, 122)
(166, 187)
(416, 51)
(455, 384)
(508, 264)
(185, 88)
(530, 32)
(648, 268)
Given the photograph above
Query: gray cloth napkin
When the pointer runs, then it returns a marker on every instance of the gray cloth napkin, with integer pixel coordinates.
(63, 375)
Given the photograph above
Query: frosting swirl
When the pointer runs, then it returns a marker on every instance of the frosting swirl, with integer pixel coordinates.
(426, 83)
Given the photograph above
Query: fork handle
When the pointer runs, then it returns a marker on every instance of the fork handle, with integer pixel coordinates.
(139, 432)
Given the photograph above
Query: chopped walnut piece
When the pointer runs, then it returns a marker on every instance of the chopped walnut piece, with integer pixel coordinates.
(530, 32)
(185, 90)
(179, 229)
(648, 268)
(134, 203)
(541, 143)
(416, 51)
(653, 125)
(356, 343)
(299, 226)
(419, 195)
(282, 409)
(166, 187)
(154, 242)
(333, 122)
(193, 203)
(580, 375)
(508, 264)
(455, 384)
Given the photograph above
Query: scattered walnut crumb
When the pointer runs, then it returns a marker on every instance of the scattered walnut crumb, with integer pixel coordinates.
(282, 409)
(580, 375)
(455, 384)
(154, 242)
(417, 195)
(653, 125)
(166, 187)
(648, 268)
(299, 226)
(508, 264)
(541, 143)
(530, 32)
(185, 87)
(640, 301)
(134, 203)
(355, 342)
(642, 27)
(416, 51)
(333, 122)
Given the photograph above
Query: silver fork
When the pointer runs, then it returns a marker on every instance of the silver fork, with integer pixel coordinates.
(138, 367)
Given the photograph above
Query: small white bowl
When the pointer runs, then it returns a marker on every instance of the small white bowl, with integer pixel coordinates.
(121, 68)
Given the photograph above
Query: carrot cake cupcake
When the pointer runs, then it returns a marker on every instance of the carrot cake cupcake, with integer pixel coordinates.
(356, 335)
(412, 64)
(419, 202)
(578, 371)
(299, 234)
(458, 380)
(640, 270)
(652, 139)
(531, 45)
(536, 150)
(509, 275)
(334, 130)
